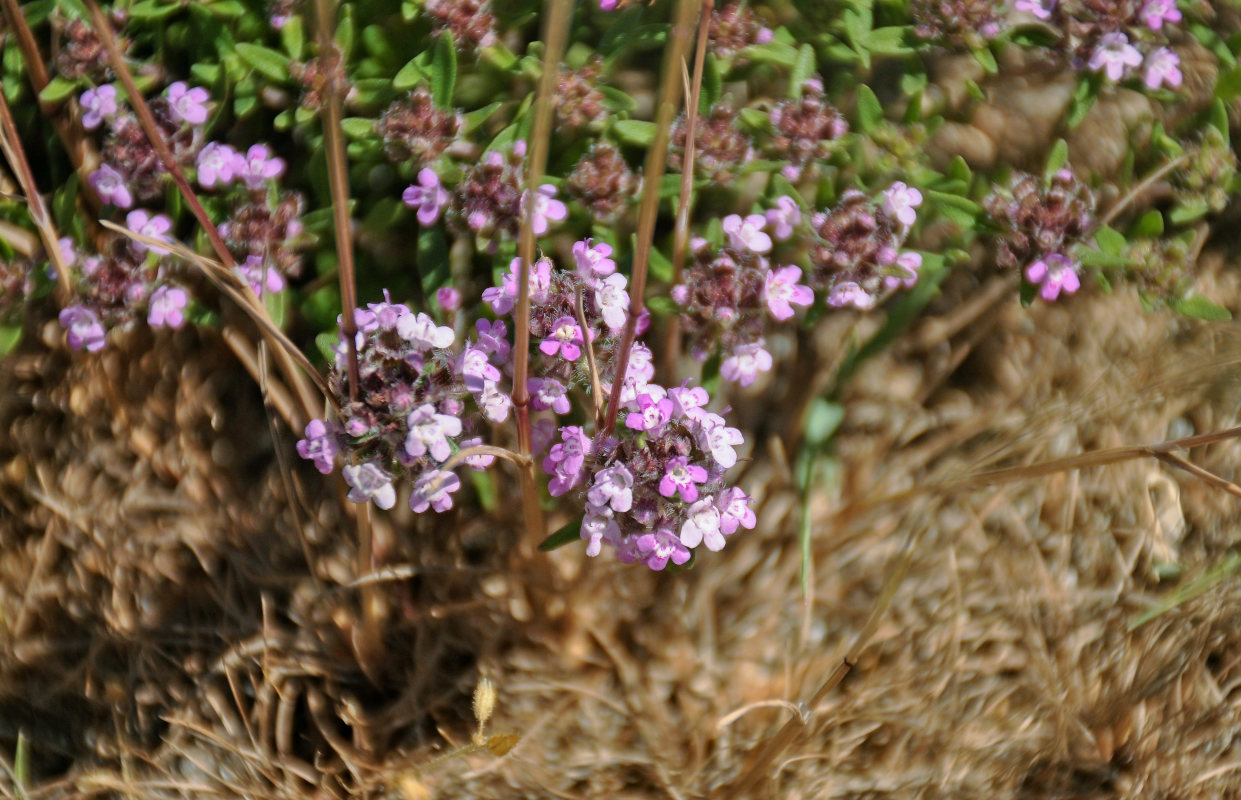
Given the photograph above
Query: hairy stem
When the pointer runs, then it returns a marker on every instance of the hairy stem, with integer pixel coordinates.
(652, 175)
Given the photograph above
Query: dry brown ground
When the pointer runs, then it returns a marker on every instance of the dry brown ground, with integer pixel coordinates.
(162, 634)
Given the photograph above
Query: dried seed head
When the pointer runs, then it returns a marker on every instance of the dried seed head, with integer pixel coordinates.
(413, 129)
(603, 182)
(484, 701)
(720, 147)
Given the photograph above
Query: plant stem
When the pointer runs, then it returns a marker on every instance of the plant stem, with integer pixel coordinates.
(680, 238)
(555, 38)
(652, 175)
(338, 181)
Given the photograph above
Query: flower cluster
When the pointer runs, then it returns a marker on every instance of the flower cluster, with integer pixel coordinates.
(579, 103)
(471, 22)
(603, 182)
(488, 201)
(720, 147)
(805, 129)
(1118, 39)
(964, 24)
(414, 130)
(408, 417)
(734, 27)
(128, 278)
(856, 247)
(1041, 224)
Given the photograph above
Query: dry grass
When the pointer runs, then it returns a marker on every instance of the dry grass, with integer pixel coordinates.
(163, 635)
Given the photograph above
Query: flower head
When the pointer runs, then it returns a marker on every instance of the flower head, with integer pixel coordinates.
(1162, 68)
(84, 330)
(422, 332)
(613, 488)
(1039, 8)
(735, 511)
(109, 184)
(746, 362)
(680, 477)
(156, 226)
(702, 525)
(1156, 12)
(565, 339)
(187, 104)
(907, 265)
(430, 431)
(594, 261)
(653, 412)
(849, 293)
(658, 548)
(784, 217)
(901, 201)
(258, 166)
(166, 307)
(548, 393)
(612, 301)
(369, 482)
(747, 233)
(448, 298)
(781, 291)
(218, 163)
(98, 104)
(429, 197)
(320, 445)
(546, 209)
(1114, 56)
(1056, 273)
(434, 490)
(262, 280)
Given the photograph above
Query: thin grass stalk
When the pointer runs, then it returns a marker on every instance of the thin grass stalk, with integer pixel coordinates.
(555, 38)
(146, 119)
(338, 182)
(680, 237)
(81, 152)
(652, 175)
(10, 143)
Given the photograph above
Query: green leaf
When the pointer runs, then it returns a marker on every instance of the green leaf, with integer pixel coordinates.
(888, 41)
(1228, 85)
(1083, 99)
(152, 9)
(1150, 224)
(712, 84)
(226, 9)
(756, 119)
(443, 70)
(344, 30)
(616, 101)
(1058, 157)
(293, 36)
(1111, 241)
(10, 337)
(271, 63)
(499, 57)
(358, 127)
(21, 764)
(659, 305)
(986, 58)
(784, 55)
(823, 417)
(1097, 258)
(1184, 213)
(480, 115)
(326, 344)
(635, 132)
(954, 207)
(803, 69)
(410, 75)
(869, 111)
(1219, 118)
(1198, 307)
(57, 89)
(659, 266)
(568, 533)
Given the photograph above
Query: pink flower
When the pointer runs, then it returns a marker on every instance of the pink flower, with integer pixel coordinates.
(261, 281)
(718, 439)
(448, 298)
(612, 301)
(784, 217)
(494, 403)
(476, 369)
(907, 263)
(747, 234)
(434, 489)
(1156, 12)
(186, 104)
(258, 165)
(658, 548)
(613, 488)
(746, 362)
(369, 482)
(429, 197)
(480, 462)
(1163, 68)
(109, 184)
(422, 332)
(566, 461)
(155, 226)
(166, 307)
(1114, 56)
(702, 525)
(687, 403)
(502, 298)
(680, 477)
(320, 445)
(492, 338)
(83, 329)
(849, 293)
(565, 340)
(1039, 8)
(98, 104)
(548, 393)
(430, 431)
(781, 291)
(594, 261)
(218, 163)
(735, 511)
(652, 414)
(546, 208)
(900, 201)
(1056, 273)
(597, 527)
